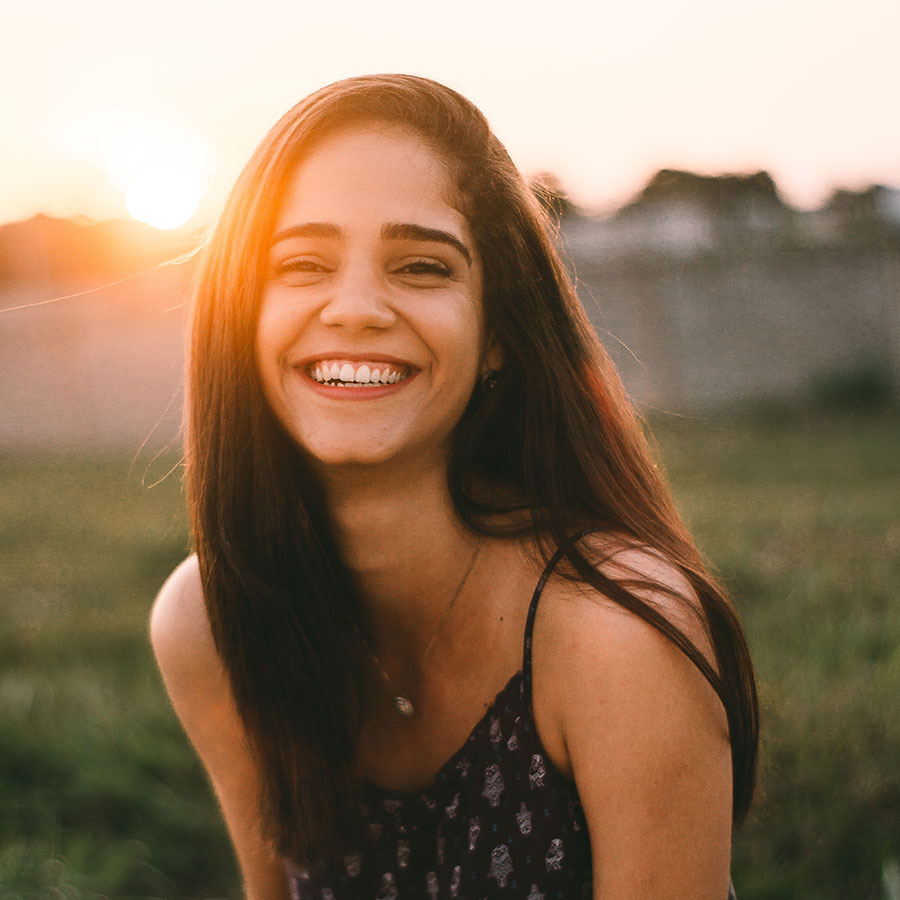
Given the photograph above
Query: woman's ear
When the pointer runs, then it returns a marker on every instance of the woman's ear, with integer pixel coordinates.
(493, 357)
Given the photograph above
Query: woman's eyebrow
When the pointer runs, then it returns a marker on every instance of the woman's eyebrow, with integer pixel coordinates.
(407, 231)
(308, 229)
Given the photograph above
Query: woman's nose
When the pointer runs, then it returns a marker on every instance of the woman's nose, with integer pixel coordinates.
(358, 301)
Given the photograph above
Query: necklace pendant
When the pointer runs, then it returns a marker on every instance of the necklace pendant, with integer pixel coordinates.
(403, 706)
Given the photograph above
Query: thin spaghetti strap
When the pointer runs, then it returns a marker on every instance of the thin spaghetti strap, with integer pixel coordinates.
(532, 610)
(529, 622)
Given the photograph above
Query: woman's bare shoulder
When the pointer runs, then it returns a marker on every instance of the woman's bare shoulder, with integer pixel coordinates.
(592, 651)
(181, 636)
(651, 576)
(581, 618)
(573, 610)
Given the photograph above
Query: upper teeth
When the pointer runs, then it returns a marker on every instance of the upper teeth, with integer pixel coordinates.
(357, 373)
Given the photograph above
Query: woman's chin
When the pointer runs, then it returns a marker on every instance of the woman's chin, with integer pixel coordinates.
(348, 459)
(342, 455)
(373, 459)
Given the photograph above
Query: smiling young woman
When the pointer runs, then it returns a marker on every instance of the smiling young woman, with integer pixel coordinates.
(444, 634)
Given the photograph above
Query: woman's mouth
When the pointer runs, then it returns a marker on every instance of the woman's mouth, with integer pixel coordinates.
(344, 373)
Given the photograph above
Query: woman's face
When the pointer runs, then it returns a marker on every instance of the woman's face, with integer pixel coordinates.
(370, 336)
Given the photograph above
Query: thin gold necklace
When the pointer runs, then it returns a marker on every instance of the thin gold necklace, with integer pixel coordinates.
(403, 705)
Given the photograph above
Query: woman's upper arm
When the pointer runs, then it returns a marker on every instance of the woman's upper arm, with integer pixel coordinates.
(200, 694)
(647, 742)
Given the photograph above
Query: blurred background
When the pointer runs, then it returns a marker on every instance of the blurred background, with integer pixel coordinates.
(726, 178)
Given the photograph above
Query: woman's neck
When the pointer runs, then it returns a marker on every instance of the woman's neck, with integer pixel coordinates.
(400, 536)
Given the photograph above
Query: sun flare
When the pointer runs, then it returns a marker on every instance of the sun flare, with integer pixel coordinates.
(162, 196)
(159, 166)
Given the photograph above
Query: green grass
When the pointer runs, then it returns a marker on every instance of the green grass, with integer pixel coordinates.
(101, 796)
(800, 515)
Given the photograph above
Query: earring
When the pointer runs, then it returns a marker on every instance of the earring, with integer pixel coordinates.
(490, 380)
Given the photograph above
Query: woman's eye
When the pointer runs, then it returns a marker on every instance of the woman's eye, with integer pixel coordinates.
(300, 264)
(425, 267)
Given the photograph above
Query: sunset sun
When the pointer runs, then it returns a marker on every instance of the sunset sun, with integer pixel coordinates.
(158, 166)
(163, 196)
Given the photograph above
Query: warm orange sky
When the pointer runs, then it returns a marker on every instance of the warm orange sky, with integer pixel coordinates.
(94, 90)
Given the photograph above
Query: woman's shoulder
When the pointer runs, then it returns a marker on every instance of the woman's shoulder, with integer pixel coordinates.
(179, 612)
(181, 635)
(580, 609)
(596, 659)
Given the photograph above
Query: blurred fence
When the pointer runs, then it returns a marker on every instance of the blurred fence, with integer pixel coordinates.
(750, 323)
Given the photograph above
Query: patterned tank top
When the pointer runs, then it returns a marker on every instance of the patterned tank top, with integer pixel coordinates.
(499, 821)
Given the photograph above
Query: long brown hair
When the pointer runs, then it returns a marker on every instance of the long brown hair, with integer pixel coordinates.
(558, 429)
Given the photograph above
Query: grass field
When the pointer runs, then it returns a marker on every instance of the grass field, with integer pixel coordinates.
(800, 515)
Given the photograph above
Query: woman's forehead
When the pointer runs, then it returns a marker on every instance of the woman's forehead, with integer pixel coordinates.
(371, 173)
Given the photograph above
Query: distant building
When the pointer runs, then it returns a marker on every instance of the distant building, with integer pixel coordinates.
(877, 205)
(683, 214)
(854, 215)
(684, 210)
